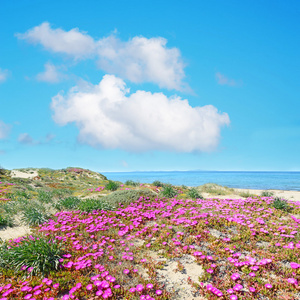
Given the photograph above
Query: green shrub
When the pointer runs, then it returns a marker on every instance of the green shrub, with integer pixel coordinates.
(194, 194)
(112, 186)
(40, 254)
(6, 220)
(34, 215)
(281, 204)
(89, 205)
(168, 191)
(126, 197)
(247, 194)
(68, 203)
(215, 189)
(61, 193)
(45, 197)
(267, 194)
(132, 183)
(158, 183)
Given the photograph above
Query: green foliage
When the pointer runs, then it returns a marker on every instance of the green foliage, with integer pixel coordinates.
(246, 194)
(35, 215)
(215, 189)
(61, 193)
(68, 203)
(3, 172)
(132, 183)
(89, 205)
(112, 185)
(168, 191)
(267, 194)
(6, 220)
(194, 194)
(158, 183)
(126, 197)
(45, 197)
(41, 254)
(281, 204)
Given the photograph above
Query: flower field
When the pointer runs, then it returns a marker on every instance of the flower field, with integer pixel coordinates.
(156, 247)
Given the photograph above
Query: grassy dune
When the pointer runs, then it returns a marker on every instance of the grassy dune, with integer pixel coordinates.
(92, 238)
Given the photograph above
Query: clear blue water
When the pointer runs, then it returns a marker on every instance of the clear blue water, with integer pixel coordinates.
(245, 180)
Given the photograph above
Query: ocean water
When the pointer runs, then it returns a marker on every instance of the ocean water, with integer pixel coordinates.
(245, 180)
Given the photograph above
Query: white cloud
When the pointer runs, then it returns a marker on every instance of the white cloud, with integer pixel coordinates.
(51, 74)
(142, 60)
(4, 130)
(26, 139)
(223, 80)
(3, 75)
(142, 121)
(139, 59)
(75, 43)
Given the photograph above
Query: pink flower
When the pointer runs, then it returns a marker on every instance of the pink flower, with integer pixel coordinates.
(294, 265)
(210, 271)
(132, 290)
(268, 286)
(230, 291)
(238, 287)
(158, 292)
(252, 289)
(235, 276)
(233, 297)
(252, 274)
(139, 287)
(292, 280)
(89, 287)
(149, 286)
(126, 271)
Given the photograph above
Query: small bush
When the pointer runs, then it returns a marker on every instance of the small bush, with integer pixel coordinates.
(126, 197)
(6, 220)
(194, 194)
(168, 191)
(267, 194)
(158, 183)
(132, 183)
(34, 215)
(89, 205)
(112, 186)
(45, 197)
(247, 194)
(216, 189)
(281, 204)
(68, 203)
(61, 193)
(40, 254)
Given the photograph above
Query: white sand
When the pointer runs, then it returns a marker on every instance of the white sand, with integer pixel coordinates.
(14, 232)
(287, 195)
(21, 174)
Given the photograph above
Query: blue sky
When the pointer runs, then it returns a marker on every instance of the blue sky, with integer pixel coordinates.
(150, 85)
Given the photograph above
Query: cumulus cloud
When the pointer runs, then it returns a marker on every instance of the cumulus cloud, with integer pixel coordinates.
(139, 59)
(3, 75)
(223, 80)
(51, 74)
(75, 43)
(4, 130)
(107, 116)
(26, 139)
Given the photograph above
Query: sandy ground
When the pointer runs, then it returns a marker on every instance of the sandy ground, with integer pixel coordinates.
(27, 174)
(9, 233)
(287, 195)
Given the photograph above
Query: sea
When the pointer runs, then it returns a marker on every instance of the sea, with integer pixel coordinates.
(289, 181)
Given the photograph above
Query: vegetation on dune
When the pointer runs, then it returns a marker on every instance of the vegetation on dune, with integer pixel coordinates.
(90, 241)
